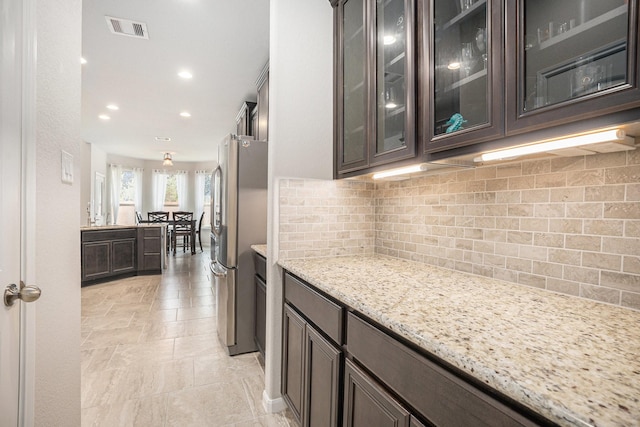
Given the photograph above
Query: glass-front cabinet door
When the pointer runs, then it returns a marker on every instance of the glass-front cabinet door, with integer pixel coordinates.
(352, 88)
(463, 42)
(375, 85)
(393, 85)
(572, 58)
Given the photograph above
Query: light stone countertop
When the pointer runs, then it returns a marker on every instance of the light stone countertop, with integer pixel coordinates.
(117, 227)
(261, 249)
(573, 361)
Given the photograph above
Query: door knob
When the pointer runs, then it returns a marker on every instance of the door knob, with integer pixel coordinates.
(25, 293)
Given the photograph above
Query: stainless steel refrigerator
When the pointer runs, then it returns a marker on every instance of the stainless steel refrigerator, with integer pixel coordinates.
(238, 220)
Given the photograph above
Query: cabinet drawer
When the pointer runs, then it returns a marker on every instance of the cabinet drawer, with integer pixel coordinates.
(151, 231)
(325, 314)
(440, 396)
(101, 235)
(260, 264)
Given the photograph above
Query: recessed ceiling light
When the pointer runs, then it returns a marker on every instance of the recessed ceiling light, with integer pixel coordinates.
(185, 74)
(83, 61)
(104, 117)
(185, 114)
(113, 107)
(163, 139)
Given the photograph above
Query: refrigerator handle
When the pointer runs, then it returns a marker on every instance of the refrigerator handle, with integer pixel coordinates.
(216, 270)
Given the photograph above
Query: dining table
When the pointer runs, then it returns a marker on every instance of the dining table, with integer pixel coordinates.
(169, 223)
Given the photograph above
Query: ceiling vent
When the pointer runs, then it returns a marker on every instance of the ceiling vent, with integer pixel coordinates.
(126, 27)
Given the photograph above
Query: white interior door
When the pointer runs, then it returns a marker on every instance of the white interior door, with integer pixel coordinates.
(10, 204)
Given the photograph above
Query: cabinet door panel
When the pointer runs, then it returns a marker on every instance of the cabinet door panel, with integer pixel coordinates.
(367, 405)
(573, 59)
(96, 260)
(123, 255)
(261, 313)
(464, 45)
(292, 360)
(323, 370)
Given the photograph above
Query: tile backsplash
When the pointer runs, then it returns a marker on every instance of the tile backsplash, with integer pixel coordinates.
(565, 224)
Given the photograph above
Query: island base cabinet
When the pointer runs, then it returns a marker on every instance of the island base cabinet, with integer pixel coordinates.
(311, 373)
(368, 405)
(123, 255)
(96, 260)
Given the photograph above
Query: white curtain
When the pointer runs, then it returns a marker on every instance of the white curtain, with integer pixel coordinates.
(199, 193)
(115, 177)
(159, 189)
(181, 188)
(137, 202)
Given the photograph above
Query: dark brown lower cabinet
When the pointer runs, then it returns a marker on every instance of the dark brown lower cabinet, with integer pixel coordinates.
(311, 373)
(261, 313)
(368, 405)
(150, 249)
(108, 253)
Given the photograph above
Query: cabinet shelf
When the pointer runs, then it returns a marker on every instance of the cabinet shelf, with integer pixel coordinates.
(474, 9)
(395, 111)
(465, 81)
(579, 29)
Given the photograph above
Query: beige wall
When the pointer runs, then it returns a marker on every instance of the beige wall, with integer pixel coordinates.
(57, 340)
(568, 225)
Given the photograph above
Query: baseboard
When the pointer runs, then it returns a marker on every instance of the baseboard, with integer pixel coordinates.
(272, 405)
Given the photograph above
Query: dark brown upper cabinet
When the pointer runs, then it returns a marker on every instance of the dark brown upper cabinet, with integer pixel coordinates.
(375, 83)
(570, 60)
(462, 72)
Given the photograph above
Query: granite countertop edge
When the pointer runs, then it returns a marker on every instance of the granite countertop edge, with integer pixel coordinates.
(261, 249)
(532, 345)
(117, 227)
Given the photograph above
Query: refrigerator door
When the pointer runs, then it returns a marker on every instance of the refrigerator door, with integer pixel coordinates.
(227, 186)
(225, 284)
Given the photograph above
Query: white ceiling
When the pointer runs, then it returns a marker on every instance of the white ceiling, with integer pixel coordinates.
(224, 43)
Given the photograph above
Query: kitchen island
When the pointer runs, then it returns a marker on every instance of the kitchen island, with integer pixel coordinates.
(573, 361)
(112, 251)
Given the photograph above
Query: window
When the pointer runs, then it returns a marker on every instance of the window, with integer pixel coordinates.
(171, 201)
(127, 204)
(206, 221)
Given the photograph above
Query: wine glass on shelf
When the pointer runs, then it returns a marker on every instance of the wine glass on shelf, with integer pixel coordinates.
(469, 58)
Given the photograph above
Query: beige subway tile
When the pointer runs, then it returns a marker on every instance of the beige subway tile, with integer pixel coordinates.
(564, 256)
(573, 226)
(495, 235)
(623, 175)
(586, 243)
(497, 184)
(485, 222)
(508, 170)
(558, 179)
(622, 246)
(549, 210)
(532, 280)
(495, 210)
(520, 237)
(486, 172)
(464, 244)
(598, 293)
(507, 249)
(606, 160)
(552, 240)
(603, 193)
(508, 223)
(508, 197)
(465, 267)
(630, 300)
(535, 196)
(483, 270)
(584, 210)
(604, 227)
(563, 286)
(566, 194)
(632, 228)
(533, 252)
(484, 247)
(633, 193)
(521, 209)
(586, 177)
(494, 260)
(564, 164)
(536, 167)
(633, 157)
(581, 274)
(473, 257)
(506, 275)
(534, 224)
(466, 175)
(601, 261)
(631, 264)
(522, 182)
(519, 264)
(547, 269)
(629, 210)
(622, 281)
(485, 197)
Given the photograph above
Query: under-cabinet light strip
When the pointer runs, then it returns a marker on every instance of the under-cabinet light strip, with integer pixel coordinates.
(573, 141)
(400, 171)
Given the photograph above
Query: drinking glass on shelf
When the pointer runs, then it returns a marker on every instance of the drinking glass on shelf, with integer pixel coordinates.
(469, 58)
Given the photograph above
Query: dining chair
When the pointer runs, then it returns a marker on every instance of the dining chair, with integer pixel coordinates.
(182, 227)
(198, 231)
(158, 216)
(138, 217)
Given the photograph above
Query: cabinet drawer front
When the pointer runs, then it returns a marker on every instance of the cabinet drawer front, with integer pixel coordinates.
(441, 397)
(261, 265)
(326, 314)
(100, 235)
(151, 231)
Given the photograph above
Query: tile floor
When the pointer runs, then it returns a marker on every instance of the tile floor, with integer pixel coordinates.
(151, 357)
